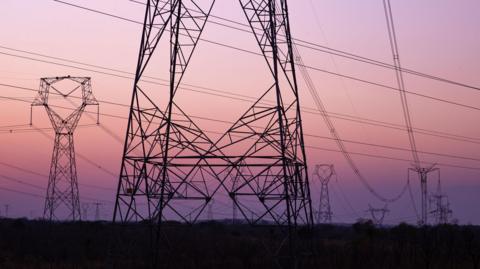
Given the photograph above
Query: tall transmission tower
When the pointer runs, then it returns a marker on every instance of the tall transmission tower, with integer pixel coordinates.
(267, 141)
(168, 160)
(165, 161)
(423, 173)
(417, 166)
(324, 172)
(377, 214)
(62, 190)
(171, 168)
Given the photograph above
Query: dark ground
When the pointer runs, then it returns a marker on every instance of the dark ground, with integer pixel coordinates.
(37, 244)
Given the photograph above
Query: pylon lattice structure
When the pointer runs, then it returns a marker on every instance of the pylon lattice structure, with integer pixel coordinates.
(323, 173)
(62, 190)
(85, 207)
(165, 159)
(423, 173)
(378, 214)
(440, 206)
(273, 160)
(441, 211)
(169, 161)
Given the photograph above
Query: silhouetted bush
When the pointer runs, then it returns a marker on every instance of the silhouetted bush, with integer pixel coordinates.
(38, 244)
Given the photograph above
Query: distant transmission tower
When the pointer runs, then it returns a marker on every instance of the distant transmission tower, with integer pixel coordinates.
(85, 207)
(324, 172)
(7, 206)
(377, 214)
(97, 210)
(441, 211)
(62, 190)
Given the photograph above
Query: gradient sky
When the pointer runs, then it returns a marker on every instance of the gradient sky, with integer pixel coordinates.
(435, 37)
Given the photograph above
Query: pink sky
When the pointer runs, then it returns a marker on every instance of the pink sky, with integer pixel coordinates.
(435, 37)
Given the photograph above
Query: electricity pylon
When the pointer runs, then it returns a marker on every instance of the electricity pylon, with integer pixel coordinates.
(168, 160)
(377, 214)
(62, 190)
(441, 211)
(85, 207)
(166, 169)
(97, 210)
(7, 206)
(417, 166)
(324, 172)
(267, 141)
(423, 173)
(171, 168)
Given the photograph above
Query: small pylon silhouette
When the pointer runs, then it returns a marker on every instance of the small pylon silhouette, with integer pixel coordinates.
(85, 207)
(378, 214)
(97, 210)
(324, 172)
(440, 205)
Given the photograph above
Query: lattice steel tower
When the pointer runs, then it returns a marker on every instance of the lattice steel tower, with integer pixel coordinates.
(423, 173)
(169, 164)
(62, 190)
(164, 159)
(378, 214)
(324, 172)
(440, 205)
(267, 141)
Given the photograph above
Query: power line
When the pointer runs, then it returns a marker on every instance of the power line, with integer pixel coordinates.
(306, 110)
(81, 156)
(306, 66)
(400, 80)
(22, 192)
(335, 135)
(309, 45)
(228, 122)
(29, 130)
(396, 159)
(396, 148)
(21, 182)
(46, 176)
(42, 197)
